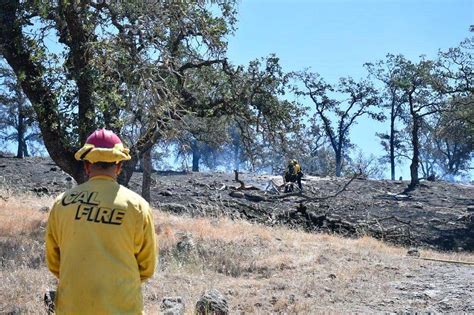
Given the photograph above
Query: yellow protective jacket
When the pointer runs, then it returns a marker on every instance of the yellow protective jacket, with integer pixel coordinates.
(297, 168)
(100, 243)
(294, 170)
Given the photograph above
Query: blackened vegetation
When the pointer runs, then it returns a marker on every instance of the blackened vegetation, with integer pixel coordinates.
(436, 215)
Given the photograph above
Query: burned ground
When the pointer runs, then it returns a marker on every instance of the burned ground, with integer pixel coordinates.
(261, 269)
(436, 215)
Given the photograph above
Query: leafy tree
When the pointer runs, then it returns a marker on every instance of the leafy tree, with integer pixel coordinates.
(455, 66)
(267, 122)
(419, 82)
(454, 129)
(112, 54)
(202, 138)
(258, 121)
(356, 99)
(16, 115)
(448, 143)
(388, 72)
(308, 145)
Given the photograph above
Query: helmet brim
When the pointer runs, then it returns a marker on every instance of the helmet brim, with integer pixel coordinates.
(94, 154)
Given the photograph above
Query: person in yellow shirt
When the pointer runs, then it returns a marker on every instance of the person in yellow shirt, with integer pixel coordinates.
(293, 174)
(100, 239)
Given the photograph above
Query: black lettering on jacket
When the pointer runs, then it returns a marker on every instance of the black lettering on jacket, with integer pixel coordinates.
(83, 197)
(97, 214)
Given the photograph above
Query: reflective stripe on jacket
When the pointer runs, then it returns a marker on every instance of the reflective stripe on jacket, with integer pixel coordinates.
(100, 243)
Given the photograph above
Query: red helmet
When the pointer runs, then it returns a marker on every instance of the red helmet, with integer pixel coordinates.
(103, 138)
(103, 146)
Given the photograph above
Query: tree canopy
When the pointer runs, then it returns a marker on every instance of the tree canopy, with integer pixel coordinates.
(158, 72)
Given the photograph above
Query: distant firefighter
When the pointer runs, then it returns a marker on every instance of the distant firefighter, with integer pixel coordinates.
(293, 174)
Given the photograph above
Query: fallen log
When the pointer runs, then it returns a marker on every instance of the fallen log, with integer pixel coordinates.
(254, 198)
(236, 194)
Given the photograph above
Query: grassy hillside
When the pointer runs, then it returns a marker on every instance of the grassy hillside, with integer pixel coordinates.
(259, 269)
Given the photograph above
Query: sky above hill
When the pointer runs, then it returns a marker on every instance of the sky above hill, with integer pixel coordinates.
(336, 37)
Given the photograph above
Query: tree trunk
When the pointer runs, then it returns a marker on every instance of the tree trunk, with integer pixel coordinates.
(128, 167)
(146, 142)
(196, 156)
(77, 38)
(237, 157)
(21, 133)
(392, 161)
(26, 153)
(416, 153)
(392, 144)
(146, 178)
(19, 54)
(338, 163)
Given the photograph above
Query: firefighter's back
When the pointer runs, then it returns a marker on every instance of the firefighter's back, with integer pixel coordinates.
(96, 226)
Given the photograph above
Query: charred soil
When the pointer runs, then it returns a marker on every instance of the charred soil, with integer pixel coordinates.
(436, 215)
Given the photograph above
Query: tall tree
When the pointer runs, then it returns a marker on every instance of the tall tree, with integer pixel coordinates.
(448, 141)
(418, 81)
(356, 99)
(111, 52)
(250, 100)
(201, 138)
(388, 72)
(16, 114)
(451, 139)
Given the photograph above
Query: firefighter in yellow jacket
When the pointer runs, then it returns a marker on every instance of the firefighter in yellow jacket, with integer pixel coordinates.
(100, 240)
(293, 174)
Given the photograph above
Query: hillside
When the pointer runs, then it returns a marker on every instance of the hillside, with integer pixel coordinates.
(258, 269)
(437, 215)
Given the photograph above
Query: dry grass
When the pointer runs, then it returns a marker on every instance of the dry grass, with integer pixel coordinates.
(23, 272)
(259, 269)
(20, 216)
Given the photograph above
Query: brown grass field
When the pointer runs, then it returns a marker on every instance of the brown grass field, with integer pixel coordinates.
(260, 270)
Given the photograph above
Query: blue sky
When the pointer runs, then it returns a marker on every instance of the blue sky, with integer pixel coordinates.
(336, 37)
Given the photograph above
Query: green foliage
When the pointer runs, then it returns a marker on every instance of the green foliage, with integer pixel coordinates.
(119, 63)
(448, 141)
(17, 121)
(355, 100)
(156, 71)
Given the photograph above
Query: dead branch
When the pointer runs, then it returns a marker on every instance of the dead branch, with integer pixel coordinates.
(242, 184)
(307, 198)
